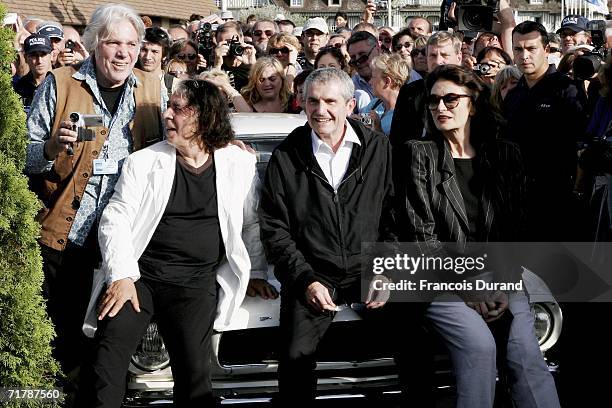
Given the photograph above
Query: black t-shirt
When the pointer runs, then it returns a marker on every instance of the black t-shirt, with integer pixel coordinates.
(471, 189)
(111, 97)
(187, 245)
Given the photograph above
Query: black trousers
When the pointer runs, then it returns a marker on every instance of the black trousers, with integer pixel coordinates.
(68, 277)
(399, 328)
(185, 318)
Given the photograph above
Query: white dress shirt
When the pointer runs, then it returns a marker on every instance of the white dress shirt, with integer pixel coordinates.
(334, 165)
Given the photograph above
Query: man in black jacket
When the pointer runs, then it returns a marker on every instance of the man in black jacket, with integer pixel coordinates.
(328, 188)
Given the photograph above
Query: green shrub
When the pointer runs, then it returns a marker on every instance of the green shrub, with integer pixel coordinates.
(25, 329)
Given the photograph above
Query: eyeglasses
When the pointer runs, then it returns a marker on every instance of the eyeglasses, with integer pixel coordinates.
(407, 45)
(274, 51)
(385, 40)
(552, 50)
(177, 73)
(190, 57)
(364, 58)
(179, 110)
(418, 51)
(259, 33)
(450, 100)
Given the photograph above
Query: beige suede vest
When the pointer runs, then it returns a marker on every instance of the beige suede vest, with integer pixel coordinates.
(68, 178)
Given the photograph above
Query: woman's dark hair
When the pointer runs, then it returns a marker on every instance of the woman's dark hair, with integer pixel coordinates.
(300, 79)
(485, 122)
(334, 52)
(483, 53)
(214, 128)
(341, 14)
(395, 39)
(566, 64)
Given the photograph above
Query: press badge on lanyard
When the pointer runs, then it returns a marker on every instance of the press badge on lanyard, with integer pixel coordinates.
(105, 165)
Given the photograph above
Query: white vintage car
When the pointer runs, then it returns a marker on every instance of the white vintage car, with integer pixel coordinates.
(244, 356)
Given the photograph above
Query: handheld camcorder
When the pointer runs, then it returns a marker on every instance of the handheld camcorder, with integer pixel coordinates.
(82, 124)
(205, 40)
(586, 65)
(235, 48)
(476, 15)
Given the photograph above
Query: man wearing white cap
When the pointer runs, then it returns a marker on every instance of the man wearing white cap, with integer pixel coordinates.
(55, 32)
(314, 36)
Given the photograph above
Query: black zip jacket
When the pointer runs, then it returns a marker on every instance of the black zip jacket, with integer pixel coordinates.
(311, 232)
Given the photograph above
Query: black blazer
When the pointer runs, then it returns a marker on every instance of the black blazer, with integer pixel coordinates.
(430, 205)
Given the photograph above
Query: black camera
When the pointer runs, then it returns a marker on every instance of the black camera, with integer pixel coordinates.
(235, 48)
(587, 64)
(482, 69)
(81, 123)
(205, 39)
(476, 15)
(69, 45)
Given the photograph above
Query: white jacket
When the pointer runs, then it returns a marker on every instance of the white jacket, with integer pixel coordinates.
(135, 209)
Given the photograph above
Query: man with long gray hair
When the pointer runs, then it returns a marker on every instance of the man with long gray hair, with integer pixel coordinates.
(327, 189)
(84, 121)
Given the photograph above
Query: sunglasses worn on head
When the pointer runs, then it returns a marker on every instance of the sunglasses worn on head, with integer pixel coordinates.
(407, 45)
(274, 51)
(182, 56)
(361, 60)
(415, 53)
(258, 33)
(450, 100)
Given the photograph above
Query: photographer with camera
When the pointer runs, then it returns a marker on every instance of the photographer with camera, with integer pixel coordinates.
(490, 61)
(75, 179)
(233, 55)
(187, 51)
(73, 50)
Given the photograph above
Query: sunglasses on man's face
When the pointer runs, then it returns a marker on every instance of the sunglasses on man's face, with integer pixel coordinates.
(407, 45)
(361, 60)
(190, 57)
(450, 100)
(418, 51)
(274, 51)
(259, 33)
(552, 50)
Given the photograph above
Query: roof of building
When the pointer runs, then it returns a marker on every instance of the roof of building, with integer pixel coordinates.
(78, 12)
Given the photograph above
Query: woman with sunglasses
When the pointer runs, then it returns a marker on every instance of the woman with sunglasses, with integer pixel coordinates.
(418, 54)
(464, 186)
(187, 50)
(285, 48)
(403, 43)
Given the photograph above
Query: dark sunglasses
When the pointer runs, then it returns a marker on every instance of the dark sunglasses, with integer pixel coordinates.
(385, 40)
(362, 59)
(450, 100)
(415, 53)
(258, 33)
(274, 51)
(406, 45)
(553, 50)
(190, 57)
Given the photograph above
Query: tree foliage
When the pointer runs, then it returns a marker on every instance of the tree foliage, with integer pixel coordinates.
(25, 329)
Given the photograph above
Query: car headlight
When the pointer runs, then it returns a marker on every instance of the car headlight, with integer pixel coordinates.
(543, 322)
(151, 354)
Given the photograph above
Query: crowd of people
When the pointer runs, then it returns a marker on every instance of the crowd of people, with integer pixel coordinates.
(411, 135)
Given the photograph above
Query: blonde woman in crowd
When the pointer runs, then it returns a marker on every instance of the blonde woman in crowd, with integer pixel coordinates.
(505, 80)
(389, 72)
(266, 91)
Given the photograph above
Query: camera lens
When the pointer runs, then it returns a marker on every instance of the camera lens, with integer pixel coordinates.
(74, 117)
(206, 26)
(238, 50)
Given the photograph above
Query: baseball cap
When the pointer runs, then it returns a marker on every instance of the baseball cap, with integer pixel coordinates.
(51, 30)
(574, 22)
(316, 23)
(37, 43)
(279, 17)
